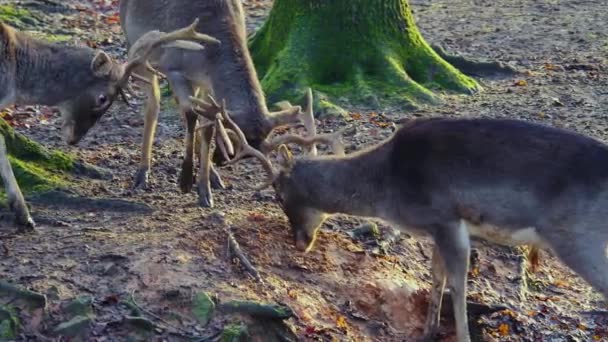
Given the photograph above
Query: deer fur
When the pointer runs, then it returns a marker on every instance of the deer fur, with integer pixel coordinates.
(80, 81)
(225, 71)
(77, 79)
(505, 181)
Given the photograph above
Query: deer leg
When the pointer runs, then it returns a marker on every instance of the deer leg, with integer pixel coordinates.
(453, 244)
(585, 255)
(433, 314)
(151, 109)
(182, 90)
(205, 197)
(186, 176)
(214, 178)
(16, 201)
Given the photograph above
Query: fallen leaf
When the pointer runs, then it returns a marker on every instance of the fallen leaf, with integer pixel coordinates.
(256, 217)
(356, 116)
(503, 329)
(341, 323)
(292, 294)
(521, 83)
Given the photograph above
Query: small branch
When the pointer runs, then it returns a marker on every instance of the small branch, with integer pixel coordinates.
(236, 249)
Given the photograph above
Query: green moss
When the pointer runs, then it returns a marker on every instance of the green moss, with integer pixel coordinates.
(203, 307)
(9, 323)
(36, 168)
(366, 51)
(10, 13)
(234, 333)
(50, 37)
(17, 17)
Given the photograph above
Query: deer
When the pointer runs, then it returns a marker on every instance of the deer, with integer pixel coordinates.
(505, 181)
(224, 71)
(82, 82)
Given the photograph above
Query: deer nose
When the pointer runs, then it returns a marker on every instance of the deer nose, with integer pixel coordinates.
(302, 245)
(68, 134)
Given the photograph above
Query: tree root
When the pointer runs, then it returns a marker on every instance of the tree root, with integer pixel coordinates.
(473, 67)
(473, 308)
(235, 248)
(32, 299)
(257, 310)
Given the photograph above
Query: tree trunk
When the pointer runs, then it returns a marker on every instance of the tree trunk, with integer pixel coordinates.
(36, 168)
(368, 51)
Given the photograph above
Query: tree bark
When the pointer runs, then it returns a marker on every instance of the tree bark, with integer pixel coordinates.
(368, 51)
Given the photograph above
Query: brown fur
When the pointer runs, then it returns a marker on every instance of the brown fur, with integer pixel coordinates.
(506, 181)
(225, 71)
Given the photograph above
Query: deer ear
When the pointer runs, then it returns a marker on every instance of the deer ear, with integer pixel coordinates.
(285, 157)
(101, 65)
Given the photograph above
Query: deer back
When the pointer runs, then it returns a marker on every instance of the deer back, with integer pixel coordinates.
(502, 176)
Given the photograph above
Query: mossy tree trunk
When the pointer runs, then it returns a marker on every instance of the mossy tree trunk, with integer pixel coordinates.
(36, 168)
(368, 51)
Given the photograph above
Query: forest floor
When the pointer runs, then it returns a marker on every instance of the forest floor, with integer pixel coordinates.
(108, 242)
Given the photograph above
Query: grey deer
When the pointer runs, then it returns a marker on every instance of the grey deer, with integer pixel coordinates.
(80, 81)
(224, 71)
(505, 181)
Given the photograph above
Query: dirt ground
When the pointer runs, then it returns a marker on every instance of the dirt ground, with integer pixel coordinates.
(108, 241)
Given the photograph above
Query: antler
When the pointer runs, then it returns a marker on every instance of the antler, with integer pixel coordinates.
(308, 120)
(247, 150)
(332, 139)
(213, 111)
(187, 33)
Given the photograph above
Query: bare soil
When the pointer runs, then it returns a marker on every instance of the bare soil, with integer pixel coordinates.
(108, 241)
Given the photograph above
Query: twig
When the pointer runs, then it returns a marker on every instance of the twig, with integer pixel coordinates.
(236, 249)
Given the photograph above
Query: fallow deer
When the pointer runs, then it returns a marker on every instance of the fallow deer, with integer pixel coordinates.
(506, 181)
(225, 71)
(79, 80)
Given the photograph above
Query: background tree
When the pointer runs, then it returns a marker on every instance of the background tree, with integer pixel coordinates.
(368, 51)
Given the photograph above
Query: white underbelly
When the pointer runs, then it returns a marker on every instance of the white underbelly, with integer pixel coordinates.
(506, 236)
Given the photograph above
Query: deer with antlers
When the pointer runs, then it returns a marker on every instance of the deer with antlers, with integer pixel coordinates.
(505, 181)
(224, 71)
(82, 82)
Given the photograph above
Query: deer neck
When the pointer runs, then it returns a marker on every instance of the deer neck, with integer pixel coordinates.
(235, 79)
(350, 185)
(45, 73)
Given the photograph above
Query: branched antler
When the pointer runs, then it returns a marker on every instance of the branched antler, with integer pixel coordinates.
(188, 33)
(213, 111)
(308, 120)
(246, 150)
(332, 139)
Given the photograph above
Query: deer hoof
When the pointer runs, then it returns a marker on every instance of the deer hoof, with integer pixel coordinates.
(26, 225)
(186, 180)
(142, 179)
(205, 201)
(216, 181)
(23, 219)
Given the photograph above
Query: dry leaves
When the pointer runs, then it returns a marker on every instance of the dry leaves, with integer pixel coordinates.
(521, 83)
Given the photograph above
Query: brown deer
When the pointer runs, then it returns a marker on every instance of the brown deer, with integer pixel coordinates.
(224, 71)
(80, 81)
(505, 181)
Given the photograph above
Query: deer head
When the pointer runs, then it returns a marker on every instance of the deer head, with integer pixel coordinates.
(107, 79)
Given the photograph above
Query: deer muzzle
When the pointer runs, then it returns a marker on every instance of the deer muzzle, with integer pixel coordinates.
(69, 133)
